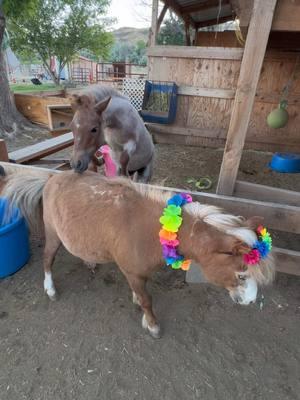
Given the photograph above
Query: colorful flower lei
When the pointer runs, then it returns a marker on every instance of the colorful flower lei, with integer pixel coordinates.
(261, 247)
(171, 221)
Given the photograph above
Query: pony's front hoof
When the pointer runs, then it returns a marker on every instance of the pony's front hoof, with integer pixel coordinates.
(154, 330)
(51, 295)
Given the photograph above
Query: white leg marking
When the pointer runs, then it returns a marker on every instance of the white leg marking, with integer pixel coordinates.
(49, 286)
(135, 299)
(153, 330)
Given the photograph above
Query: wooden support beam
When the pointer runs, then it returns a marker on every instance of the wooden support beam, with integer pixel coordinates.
(203, 6)
(206, 92)
(254, 54)
(153, 30)
(215, 21)
(266, 193)
(161, 16)
(287, 261)
(187, 32)
(42, 149)
(173, 5)
(276, 216)
(3, 151)
(214, 53)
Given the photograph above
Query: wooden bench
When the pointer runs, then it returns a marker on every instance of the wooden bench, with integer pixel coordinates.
(42, 149)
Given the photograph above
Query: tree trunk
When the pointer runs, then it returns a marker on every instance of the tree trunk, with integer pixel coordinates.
(11, 121)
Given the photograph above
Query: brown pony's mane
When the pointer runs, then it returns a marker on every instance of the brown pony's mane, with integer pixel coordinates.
(236, 226)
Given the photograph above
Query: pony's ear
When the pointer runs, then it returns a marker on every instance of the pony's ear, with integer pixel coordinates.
(74, 100)
(80, 100)
(254, 222)
(239, 248)
(101, 105)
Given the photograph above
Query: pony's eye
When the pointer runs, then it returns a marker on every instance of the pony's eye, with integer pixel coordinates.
(94, 130)
(242, 277)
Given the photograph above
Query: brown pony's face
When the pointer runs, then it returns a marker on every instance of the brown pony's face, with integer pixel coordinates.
(222, 263)
(87, 129)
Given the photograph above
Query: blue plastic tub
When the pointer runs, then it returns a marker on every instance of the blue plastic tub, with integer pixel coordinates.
(285, 162)
(14, 241)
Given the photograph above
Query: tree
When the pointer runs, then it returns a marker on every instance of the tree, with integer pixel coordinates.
(62, 28)
(172, 32)
(138, 54)
(134, 54)
(120, 52)
(11, 121)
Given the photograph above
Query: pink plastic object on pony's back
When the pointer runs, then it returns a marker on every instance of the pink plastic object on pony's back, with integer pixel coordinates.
(109, 165)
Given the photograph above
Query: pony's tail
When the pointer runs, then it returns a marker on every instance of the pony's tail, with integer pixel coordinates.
(24, 190)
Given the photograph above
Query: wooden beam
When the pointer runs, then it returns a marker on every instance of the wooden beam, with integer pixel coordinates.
(3, 151)
(187, 32)
(203, 6)
(161, 16)
(206, 92)
(266, 193)
(276, 216)
(215, 21)
(254, 53)
(214, 53)
(287, 261)
(42, 149)
(19, 167)
(153, 29)
(173, 5)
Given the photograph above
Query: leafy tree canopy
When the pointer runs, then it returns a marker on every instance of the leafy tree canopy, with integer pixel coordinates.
(61, 28)
(135, 54)
(172, 32)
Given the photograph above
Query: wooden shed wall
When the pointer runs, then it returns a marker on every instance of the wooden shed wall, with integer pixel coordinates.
(207, 85)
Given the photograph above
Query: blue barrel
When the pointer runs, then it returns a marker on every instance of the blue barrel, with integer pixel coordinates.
(14, 241)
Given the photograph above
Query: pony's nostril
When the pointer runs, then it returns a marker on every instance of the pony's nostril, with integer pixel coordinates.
(78, 165)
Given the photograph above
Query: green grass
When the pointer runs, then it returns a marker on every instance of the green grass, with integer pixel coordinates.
(29, 87)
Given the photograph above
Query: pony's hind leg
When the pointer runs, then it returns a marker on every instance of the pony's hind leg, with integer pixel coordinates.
(141, 297)
(52, 245)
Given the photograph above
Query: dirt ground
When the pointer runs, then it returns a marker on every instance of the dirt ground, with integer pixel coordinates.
(90, 345)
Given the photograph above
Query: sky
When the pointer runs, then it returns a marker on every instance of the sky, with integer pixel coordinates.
(130, 13)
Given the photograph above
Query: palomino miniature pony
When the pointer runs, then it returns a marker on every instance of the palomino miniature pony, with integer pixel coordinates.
(102, 220)
(104, 115)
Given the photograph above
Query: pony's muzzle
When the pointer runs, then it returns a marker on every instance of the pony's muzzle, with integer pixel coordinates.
(80, 165)
(246, 293)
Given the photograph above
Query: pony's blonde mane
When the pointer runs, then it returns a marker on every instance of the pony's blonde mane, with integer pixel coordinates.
(230, 224)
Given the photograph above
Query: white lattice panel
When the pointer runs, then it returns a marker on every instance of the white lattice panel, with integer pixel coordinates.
(134, 89)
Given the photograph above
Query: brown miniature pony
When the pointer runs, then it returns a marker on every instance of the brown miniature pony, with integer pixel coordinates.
(102, 220)
(103, 115)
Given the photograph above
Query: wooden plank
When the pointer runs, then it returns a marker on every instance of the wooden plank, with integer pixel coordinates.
(3, 151)
(186, 131)
(287, 261)
(206, 92)
(287, 16)
(276, 216)
(254, 53)
(266, 143)
(19, 167)
(153, 29)
(161, 16)
(216, 53)
(266, 193)
(42, 149)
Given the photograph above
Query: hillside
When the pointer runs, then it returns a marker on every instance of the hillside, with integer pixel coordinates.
(131, 35)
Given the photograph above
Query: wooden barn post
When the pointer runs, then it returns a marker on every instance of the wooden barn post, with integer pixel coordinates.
(254, 52)
(153, 31)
